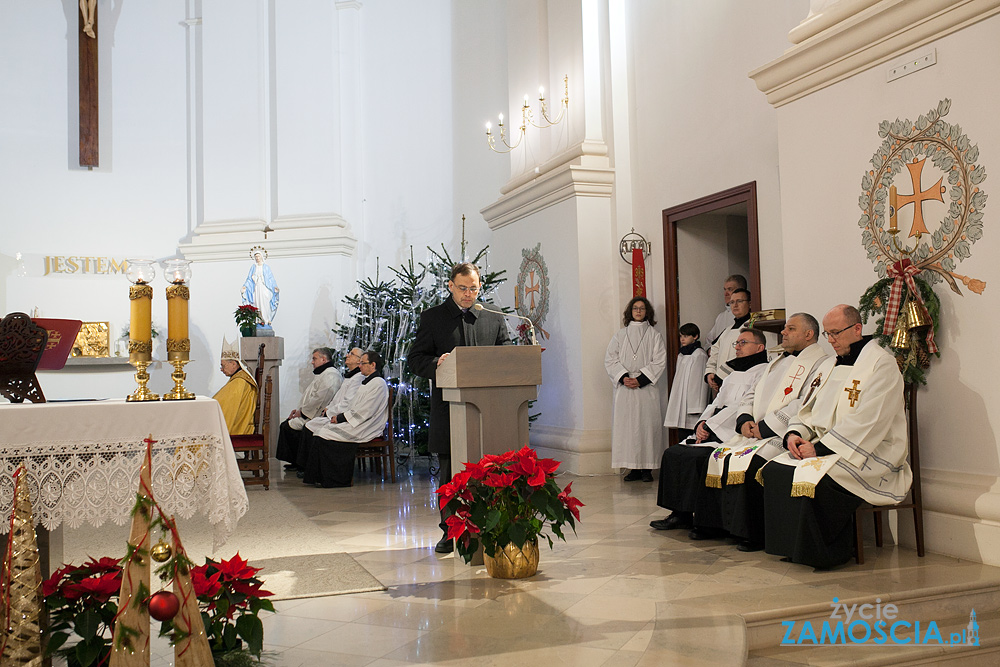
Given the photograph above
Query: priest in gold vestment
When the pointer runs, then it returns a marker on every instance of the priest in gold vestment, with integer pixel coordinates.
(238, 398)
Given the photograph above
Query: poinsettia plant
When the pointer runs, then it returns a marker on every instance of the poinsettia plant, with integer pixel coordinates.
(230, 598)
(248, 316)
(83, 600)
(506, 499)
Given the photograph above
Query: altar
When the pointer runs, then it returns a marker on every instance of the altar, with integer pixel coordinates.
(83, 460)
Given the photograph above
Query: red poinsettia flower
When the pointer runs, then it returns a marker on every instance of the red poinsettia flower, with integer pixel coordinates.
(205, 585)
(99, 588)
(475, 470)
(500, 480)
(104, 564)
(236, 568)
(570, 502)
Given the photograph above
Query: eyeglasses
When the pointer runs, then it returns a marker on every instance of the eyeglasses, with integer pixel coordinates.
(740, 343)
(467, 290)
(834, 334)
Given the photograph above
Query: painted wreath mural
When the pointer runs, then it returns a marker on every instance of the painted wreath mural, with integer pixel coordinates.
(903, 298)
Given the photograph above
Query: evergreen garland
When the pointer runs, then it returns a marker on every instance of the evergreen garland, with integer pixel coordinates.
(914, 361)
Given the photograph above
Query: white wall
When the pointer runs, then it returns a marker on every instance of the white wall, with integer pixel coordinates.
(825, 263)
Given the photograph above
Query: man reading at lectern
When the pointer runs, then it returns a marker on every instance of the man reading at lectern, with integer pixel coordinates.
(443, 328)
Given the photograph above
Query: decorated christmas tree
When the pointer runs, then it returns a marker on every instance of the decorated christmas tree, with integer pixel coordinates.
(383, 316)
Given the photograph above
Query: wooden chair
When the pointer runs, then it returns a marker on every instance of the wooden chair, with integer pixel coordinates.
(382, 450)
(255, 448)
(915, 502)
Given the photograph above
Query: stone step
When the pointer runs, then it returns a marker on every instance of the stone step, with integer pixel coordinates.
(948, 607)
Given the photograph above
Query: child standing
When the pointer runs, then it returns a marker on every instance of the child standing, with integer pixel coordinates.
(688, 393)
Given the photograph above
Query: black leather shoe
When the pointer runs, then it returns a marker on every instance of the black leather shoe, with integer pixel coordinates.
(444, 546)
(633, 476)
(300, 474)
(647, 475)
(673, 521)
(706, 533)
(748, 546)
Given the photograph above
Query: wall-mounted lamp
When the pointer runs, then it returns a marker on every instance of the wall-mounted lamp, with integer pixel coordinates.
(527, 118)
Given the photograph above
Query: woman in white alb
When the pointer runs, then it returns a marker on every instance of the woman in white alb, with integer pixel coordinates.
(635, 360)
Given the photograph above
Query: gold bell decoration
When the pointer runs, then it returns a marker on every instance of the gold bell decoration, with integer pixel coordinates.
(901, 336)
(20, 585)
(161, 552)
(917, 315)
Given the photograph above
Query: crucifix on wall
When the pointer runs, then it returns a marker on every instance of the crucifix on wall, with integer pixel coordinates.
(87, 41)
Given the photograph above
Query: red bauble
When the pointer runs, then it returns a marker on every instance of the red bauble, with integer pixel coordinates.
(164, 605)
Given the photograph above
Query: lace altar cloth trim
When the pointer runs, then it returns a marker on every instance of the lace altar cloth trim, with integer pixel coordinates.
(94, 482)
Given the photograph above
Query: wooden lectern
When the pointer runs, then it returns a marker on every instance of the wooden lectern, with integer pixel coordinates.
(489, 389)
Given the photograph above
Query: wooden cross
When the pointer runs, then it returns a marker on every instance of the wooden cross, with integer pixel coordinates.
(933, 193)
(87, 41)
(853, 393)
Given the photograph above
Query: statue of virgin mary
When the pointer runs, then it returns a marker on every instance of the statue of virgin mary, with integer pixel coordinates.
(260, 289)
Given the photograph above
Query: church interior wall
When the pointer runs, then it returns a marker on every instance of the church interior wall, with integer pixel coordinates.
(826, 141)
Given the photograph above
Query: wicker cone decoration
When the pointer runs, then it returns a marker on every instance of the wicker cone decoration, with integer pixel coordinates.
(193, 650)
(20, 585)
(131, 637)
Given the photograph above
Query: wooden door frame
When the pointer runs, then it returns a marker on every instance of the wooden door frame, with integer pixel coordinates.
(746, 193)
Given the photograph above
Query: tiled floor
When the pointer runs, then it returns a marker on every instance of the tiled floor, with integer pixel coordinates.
(617, 593)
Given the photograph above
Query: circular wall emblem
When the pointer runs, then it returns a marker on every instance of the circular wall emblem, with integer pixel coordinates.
(532, 294)
(934, 225)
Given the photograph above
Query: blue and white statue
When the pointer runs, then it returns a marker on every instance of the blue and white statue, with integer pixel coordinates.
(260, 289)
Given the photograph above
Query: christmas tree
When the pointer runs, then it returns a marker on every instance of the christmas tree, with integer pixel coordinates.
(383, 316)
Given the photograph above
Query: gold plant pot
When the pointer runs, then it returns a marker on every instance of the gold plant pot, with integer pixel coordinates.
(513, 563)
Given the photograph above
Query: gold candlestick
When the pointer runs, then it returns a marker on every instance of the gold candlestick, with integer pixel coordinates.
(178, 393)
(140, 344)
(141, 393)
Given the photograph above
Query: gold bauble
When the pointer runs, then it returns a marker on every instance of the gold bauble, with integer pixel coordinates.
(161, 552)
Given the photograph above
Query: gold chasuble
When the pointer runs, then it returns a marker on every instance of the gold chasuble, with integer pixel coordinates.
(238, 399)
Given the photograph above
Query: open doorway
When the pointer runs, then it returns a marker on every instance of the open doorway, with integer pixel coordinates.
(706, 240)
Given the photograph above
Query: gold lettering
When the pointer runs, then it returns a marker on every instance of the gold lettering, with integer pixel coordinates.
(71, 265)
(86, 264)
(100, 265)
(46, 266)
(57, 262)
(118, 267)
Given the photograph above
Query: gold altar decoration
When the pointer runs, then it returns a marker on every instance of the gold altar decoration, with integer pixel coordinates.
(178, 273)
(92, 341)
(20, 585)
(512, 562)
(140, 273)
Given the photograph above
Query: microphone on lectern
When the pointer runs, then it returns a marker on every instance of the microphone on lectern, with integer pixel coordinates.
(531, 324)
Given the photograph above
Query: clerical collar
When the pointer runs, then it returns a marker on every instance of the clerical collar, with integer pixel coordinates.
(744, 363)
(689, 349)
(852, 354)
(351, 373)
(739, 321)
(320, 369)
(376, 374)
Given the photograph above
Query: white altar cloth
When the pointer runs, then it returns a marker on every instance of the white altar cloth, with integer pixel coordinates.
(83, 461)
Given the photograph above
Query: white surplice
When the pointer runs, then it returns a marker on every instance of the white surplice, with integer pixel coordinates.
(364, 419)
(636, 434)
(721, 414)
(724, 321)
(857, 412)
(317, 395)
(689, 393)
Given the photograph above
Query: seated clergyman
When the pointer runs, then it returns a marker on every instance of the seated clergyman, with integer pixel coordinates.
(331, 447)
(325, 382)
(238, 397)
(765, 413)
(847, 445)
(683, 467)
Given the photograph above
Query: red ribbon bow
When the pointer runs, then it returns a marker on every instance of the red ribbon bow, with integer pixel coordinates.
(902, 273)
